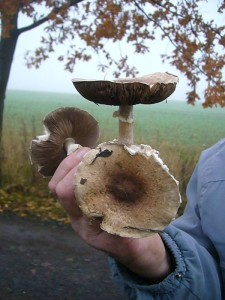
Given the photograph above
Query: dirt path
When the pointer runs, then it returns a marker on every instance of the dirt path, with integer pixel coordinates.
(46, 261)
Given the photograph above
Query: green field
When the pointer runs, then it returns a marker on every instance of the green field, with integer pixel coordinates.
(179, 131)
(174, 122)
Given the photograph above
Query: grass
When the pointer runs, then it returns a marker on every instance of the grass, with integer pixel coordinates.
(174, 121)
(180, 132)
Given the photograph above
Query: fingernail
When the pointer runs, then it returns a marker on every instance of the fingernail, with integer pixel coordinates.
(81, 152)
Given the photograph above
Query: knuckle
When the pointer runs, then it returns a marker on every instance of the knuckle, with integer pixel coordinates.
(52, 187)
(59, 190)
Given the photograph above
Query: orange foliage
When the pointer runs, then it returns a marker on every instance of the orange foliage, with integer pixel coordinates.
(198, 43)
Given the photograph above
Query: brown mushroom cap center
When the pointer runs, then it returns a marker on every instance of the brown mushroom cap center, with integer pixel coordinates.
(125, 187)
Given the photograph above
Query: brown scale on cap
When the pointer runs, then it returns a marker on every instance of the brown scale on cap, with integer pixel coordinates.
(125, 187)
(63, 127)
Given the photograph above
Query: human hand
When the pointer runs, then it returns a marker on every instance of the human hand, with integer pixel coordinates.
(147, 257)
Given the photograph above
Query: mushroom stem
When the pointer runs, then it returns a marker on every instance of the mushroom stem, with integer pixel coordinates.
(126, 121)
(70, 146)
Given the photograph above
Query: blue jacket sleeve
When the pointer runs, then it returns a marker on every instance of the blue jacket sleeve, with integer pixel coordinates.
(196, 275)
(196, 240)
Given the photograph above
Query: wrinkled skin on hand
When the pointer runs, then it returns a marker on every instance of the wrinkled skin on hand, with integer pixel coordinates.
(147, 257)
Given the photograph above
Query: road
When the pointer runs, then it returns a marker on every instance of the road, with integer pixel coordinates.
(46, 261)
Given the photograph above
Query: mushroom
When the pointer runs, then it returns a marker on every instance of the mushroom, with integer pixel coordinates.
(125, 93)
(126, 185)
(133, 194)
(65, 130)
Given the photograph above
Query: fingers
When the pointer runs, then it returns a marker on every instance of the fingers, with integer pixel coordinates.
(65, 194)
(61, 184)
(87, 229)
(66, 166)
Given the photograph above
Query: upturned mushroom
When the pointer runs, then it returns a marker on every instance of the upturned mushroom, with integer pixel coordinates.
(65, 130)
(126, 185)
(125, 93)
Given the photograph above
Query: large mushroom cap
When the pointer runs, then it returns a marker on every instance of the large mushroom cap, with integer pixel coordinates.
(48, 150)
(147, 89)
(130, 189)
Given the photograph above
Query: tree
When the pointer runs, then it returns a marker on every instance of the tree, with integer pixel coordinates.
(198, 44)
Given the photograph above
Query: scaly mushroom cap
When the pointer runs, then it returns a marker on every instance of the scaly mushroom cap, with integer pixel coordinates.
(129, 188)
(147, 89)
(48, 150)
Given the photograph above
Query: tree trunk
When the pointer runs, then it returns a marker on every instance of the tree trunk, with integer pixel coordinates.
(7, 50)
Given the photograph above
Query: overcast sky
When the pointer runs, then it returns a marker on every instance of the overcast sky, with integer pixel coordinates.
(52, 77)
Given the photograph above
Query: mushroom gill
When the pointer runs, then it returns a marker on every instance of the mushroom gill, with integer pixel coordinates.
(65, 129)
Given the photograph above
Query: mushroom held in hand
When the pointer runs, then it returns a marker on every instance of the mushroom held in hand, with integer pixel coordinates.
(126, 185)
(65, 130)
(130, 189)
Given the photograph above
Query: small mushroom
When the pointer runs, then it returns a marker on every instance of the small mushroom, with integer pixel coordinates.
(65, 130)
(126, 185)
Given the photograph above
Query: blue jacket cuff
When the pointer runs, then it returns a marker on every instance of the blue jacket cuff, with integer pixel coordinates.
(171, 282)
